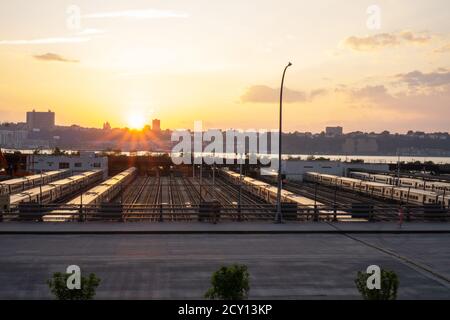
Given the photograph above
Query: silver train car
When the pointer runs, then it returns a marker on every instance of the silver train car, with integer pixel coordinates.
(381, 190)
(55, 190)
(17, 185)
(268, 192)
(435, 186)
(101, 193)
(107, 190)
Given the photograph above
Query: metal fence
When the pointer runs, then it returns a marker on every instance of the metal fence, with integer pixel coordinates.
(215, 212)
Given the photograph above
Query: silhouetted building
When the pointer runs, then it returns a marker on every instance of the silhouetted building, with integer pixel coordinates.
(106, 126)
(156, 125)
(334, 131)
(37, 121)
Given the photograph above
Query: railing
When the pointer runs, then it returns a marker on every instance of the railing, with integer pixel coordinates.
(213, 212)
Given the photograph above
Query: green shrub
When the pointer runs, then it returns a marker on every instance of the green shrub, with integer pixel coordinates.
(388, 289)
(229, 283)
(58, 286)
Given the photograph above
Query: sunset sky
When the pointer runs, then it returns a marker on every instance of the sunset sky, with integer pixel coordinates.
(221, 62)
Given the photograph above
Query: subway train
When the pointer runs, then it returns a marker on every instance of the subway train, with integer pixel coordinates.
(101, 193)
(107, 190)
(435, 186)
(13, 186)
(386, 191)
(268, 192)
(57, 189)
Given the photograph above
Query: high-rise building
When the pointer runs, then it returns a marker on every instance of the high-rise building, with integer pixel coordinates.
(334, 131)
(37, 121)
(156, 125)
(106, 126)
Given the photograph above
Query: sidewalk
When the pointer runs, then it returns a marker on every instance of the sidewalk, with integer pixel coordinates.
(221, 228)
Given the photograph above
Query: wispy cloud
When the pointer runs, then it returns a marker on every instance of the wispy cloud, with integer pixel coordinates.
(384, 40)
(440, 77)
(138, 14)
(376, 93)
(265, 94)
(59, 40)
(90, 32)
(443, 49)
(53, 57)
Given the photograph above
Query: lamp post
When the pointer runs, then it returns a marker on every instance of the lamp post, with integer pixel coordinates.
(279, 218)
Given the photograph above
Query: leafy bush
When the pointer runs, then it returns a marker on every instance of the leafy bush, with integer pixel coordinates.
(229, 283)
(388, 289)
(58, 286)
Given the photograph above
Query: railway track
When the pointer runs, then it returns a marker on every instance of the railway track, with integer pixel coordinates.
(341, 198)
(259, 206)
(178, 197)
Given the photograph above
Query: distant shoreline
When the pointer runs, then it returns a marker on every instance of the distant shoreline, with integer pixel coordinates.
(367, 158)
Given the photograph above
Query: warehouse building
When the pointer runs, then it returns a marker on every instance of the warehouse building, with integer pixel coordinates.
(84, 161)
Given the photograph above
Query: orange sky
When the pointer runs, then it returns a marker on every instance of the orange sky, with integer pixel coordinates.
(127, 62)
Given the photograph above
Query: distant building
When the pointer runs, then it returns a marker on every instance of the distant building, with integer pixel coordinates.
(156, 125)
(334, 131)
(106, 126)
(13, 138)
(38, 121)
(77, 163)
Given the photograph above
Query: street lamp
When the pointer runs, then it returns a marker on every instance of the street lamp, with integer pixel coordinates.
(279, 218)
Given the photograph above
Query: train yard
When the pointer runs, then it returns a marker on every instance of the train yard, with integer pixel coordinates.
(181, 197)
(214, 195)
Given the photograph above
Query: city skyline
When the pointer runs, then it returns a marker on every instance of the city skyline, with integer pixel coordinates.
(127, 62)
(155, 124)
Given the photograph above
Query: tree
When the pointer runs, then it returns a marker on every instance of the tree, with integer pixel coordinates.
(229, 283)
(58, 286)
(57, 152)
(388, 289)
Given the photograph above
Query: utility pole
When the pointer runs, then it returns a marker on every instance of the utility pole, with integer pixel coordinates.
(279, 218)
(200, 182)
(240, 189)
(40, 189)
(214, 181)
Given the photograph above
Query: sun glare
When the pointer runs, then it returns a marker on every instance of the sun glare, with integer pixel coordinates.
(136, 121)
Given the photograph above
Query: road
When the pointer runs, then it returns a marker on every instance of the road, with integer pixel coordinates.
(171, 266)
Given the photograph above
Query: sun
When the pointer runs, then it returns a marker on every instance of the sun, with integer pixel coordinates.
(136, 121)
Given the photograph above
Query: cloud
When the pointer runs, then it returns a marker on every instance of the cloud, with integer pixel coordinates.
(90, 32)
(415, 38)
(440, 77)
(425, 98)
(371, 42)
(53, 57)
(137, 14)
(384, 40)
(377, 93)
(317, 93)
(60, 40)
(443, 49)
(265, 94)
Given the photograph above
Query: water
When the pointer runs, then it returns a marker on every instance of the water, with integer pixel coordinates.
(367, 159)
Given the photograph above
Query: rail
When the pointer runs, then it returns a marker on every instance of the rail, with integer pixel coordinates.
(217, 212)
